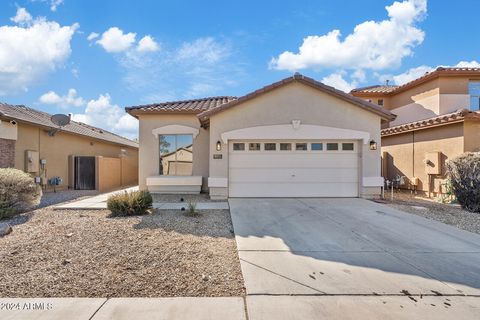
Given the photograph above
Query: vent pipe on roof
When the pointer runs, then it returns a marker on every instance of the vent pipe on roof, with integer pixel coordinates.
(387, 82)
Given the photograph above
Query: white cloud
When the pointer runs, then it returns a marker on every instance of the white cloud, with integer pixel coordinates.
(28, 53)
(92, 36)
(146, 44)
(372, 45)
(52, 3)
(114, 40)
(71, 99)
(468, 64)
(22, 17)
(104, 114)
(417, 72)
(204, 66)
(337, 81)
(205, 49)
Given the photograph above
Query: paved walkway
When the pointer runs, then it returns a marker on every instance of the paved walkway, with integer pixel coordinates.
(95, 202)
(123, 308)
(99, 202)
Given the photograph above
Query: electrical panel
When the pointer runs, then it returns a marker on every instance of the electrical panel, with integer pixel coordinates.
(432, 163)
(31, 161)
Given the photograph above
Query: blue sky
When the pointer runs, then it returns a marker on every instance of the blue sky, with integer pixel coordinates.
(92, 58)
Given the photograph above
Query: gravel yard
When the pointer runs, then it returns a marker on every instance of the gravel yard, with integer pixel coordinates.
(447, 213)
(202, 197)
(50, 198)
(88, 254)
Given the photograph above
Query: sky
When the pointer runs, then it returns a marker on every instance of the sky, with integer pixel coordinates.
(92, 58)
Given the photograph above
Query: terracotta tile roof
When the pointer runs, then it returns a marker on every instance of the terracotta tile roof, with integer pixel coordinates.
(194, 106)
(28, 115)
(449, 118)
(384, 113)
(375, 89)
(440, 71)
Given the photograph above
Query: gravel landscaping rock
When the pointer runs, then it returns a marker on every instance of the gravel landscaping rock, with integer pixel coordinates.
(51, 198)
(202, 197)
(447, 213)
(89, 254)
(5, 229)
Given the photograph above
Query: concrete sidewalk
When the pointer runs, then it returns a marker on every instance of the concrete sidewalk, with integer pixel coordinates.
(95, 202)
(200, 308)
(99, 202)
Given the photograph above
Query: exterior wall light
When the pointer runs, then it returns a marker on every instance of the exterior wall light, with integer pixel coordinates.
(373, 145)
(218, 146)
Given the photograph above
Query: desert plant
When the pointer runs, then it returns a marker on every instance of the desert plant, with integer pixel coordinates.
(449, 195)
(18, 192)
(192, 206)
(464, 172)
(130, 204)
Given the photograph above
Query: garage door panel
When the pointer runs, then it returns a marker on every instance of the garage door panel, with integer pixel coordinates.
(306, 173)
(311, 160)
(294, 174)
(293, 190)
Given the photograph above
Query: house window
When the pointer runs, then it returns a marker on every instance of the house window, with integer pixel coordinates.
(285, 146)
(380, 102)
(317, 146)
(176, 154)
(254, 146)
(474, 91)
(332, 146)
(301, 146)
(270, 146)
(239, 146)
(347, 146)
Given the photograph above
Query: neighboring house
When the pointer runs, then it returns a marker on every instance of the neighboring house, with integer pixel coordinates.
(438, 118)
(82, 156)
(294, 138)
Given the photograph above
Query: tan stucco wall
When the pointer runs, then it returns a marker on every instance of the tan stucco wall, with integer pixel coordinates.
(149, 148)
(435, 97)
(471, 131)
(406, 152)
(296, 102)
(58, 148)
(108, 173)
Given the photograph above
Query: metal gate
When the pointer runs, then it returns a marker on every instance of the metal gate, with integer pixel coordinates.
(84, 173)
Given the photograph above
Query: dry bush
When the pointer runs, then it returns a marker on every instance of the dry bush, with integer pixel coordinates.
(464, 172)
(130, 204)
(18, 192)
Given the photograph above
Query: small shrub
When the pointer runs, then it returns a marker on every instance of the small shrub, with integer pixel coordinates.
(192, 206)
(464, 172)
(130, 204)
(18, 192)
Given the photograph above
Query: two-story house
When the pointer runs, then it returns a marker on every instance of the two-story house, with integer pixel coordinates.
(438, 118)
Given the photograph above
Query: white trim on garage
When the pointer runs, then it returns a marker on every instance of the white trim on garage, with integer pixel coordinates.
(294, 131)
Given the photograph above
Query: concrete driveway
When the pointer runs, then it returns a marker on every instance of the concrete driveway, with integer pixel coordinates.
(353, 258)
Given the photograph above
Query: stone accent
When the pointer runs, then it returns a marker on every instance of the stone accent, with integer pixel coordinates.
(7, 153)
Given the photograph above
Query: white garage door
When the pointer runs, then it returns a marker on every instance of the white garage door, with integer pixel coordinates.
(293, 169)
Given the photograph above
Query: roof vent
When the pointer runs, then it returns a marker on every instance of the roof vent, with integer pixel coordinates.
(387, 82)
(297, 74)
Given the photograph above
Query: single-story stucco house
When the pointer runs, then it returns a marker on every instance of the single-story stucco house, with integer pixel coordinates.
(76, 156)
(293, 138)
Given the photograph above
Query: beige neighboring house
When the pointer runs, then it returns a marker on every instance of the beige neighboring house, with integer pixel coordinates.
(294, 138)
(81, 156)
(438, 118)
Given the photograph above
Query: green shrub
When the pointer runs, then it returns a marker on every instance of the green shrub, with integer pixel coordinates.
(192, 207)
(18, 192)
(464, 173)
(130, 204)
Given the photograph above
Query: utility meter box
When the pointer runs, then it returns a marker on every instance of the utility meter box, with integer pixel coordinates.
(31, 161)
(432, 163)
